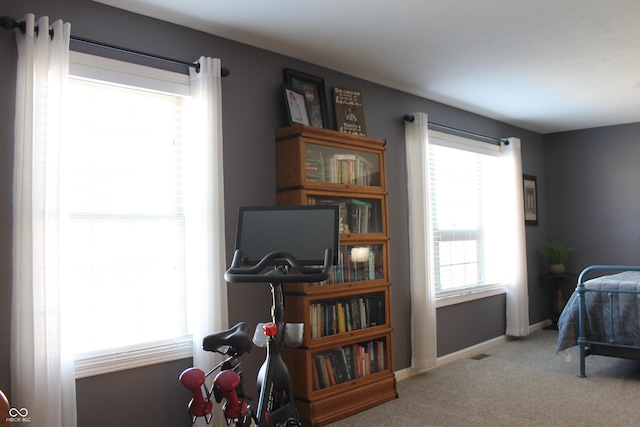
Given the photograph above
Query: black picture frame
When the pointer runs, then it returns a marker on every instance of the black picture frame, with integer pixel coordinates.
(530, 194)
(297, 108)
(315, 94)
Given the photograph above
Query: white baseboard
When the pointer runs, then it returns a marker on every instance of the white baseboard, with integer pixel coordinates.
(465, 353)
(405, 373)
(539, 326)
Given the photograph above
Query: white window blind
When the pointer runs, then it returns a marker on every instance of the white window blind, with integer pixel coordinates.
(124, 251)
(464, 192)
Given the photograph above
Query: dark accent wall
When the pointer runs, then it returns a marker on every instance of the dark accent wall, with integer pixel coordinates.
(593, 194)
(462, 325)
(140, 397)
(252, 110)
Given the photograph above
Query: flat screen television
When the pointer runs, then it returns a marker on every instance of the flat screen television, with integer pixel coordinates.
(303, 231)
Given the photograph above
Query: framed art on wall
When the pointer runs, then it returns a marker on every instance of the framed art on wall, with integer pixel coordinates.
(530, 190)
(314, 92)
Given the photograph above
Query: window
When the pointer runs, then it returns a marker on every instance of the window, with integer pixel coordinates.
(465, 204)
(124, 254)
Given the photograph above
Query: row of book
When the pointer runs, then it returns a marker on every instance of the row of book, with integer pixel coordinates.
(347, 363)
(356, 264)
(338, 168)
(356, 215)
(346, 315)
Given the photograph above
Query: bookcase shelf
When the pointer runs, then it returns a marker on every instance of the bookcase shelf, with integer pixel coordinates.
(345, 363)
(359, 213)
(339, 314)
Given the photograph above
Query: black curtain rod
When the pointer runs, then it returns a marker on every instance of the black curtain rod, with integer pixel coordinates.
(9, 23)
(409, 118)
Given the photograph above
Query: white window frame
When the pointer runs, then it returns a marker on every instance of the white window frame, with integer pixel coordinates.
(447, 298)
(128, 74)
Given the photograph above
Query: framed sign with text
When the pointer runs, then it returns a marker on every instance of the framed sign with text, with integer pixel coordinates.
(349, 111)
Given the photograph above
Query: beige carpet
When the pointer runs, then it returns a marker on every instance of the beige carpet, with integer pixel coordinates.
(520, 383)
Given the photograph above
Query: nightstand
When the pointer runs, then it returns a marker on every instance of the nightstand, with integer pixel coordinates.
(558, 281)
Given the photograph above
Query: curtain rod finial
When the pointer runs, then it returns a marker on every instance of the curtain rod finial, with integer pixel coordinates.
(408, 118)
(8, 23)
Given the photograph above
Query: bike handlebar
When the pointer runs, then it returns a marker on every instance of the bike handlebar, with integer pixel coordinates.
(238, 274)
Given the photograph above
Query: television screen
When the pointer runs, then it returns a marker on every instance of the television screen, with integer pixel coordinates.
(303, 231)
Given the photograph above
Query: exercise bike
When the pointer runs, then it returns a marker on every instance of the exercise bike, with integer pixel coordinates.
(275, 403)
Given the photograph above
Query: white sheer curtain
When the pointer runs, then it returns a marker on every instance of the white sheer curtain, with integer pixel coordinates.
(205, 235)
(515, 250)
(513, 247)
(423, 302)
(42, 369)
(42, 364)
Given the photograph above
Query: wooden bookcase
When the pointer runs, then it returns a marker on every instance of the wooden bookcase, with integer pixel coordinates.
(345, 362)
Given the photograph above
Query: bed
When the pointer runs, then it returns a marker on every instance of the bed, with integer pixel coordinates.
(602, 316)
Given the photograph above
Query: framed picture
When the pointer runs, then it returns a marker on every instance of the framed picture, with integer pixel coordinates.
(296, 105)
(530, 190)
(349, 111)
(314, 92)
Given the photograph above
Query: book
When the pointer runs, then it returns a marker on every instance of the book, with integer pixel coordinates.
(332, 377)
(345, 363)
(342, 325)
(359, 215)
(313, 321)
(314, 165)
(321, 368)
(315, 377)
(376, 310)
(338, 362)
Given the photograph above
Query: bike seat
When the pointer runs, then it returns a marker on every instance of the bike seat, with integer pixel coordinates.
(237, 337)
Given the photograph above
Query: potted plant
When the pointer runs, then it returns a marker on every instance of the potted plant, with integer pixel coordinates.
(556, 254)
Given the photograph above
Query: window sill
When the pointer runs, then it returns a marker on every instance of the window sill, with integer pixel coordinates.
(91, 365)
(469, 295)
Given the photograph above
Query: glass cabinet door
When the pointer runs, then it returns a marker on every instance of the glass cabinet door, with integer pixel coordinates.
(358, 215)
(338, 365)
(325, 163)
(358, 263)
(347, 314)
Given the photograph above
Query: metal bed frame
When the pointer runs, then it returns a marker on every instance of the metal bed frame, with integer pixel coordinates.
(611, 348)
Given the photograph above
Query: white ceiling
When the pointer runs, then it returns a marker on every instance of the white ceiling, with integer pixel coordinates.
(544, 65)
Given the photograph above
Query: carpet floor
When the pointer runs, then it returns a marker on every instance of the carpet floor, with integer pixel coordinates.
(520, 383)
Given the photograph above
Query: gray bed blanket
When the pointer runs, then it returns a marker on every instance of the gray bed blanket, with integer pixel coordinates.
(625, 309)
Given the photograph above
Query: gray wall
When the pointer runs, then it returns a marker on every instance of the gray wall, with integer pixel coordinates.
(252, 110)
(593, 194)
(464, 325)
